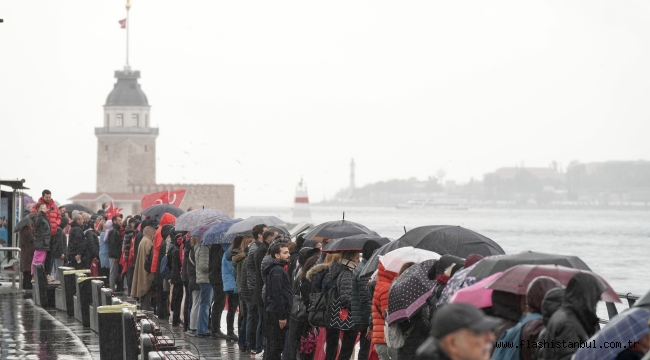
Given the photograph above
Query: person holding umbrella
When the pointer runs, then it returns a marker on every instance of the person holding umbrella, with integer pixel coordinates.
(362, 301)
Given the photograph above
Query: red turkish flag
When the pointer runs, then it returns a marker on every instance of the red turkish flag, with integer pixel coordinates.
(112, 211)
(122, 24)
(176, 197)
(154, 199)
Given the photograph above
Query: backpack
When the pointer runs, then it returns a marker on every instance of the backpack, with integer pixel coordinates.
(165, 265)
(319, 303)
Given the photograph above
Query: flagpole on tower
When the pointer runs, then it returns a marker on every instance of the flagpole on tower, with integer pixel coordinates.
(128, 7)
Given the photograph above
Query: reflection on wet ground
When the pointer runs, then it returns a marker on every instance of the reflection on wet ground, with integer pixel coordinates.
(30, 332)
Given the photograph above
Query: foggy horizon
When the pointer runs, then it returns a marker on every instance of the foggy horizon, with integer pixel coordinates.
(259, 95)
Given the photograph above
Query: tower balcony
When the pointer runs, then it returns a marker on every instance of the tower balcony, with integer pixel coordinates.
(119, 130)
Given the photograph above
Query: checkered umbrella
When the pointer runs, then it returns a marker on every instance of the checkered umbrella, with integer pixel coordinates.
(630, 326)
(644, 301)
(516, 279)
(195, 218)
(410, 291)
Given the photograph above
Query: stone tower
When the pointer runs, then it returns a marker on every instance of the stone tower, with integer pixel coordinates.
(126, 144)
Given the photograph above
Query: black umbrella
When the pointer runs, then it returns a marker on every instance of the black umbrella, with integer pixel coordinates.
(354, 242)
(282, 230)
(489, 266)
(157, 211)
(338, 229)
(76, 206)
(453, 240)
(23, 222)
(373, 262)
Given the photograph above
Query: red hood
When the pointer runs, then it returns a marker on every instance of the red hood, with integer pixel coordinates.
(385, 275)
(167, 219)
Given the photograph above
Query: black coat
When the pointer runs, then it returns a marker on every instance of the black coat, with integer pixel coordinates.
(293, 262)
(244, 291)
(42, 231)
(187, 247)
(575, 320)
(126, 242)
(340, 275)
(92, 247)
(256, 297)
(174, 255)
(249, 265)
(361, 298)
(114, 244)
(76, 242)
(136, 245)
(191, 270)
(59, 244)
(419, 327)
(279, 299)
(216, 255)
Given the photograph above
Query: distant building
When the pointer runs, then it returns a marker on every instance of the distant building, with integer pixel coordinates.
(610, 182)
(524, 185)
(126, 156)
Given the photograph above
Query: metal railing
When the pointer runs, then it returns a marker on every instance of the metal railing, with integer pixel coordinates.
(16, 269)
(612, 311)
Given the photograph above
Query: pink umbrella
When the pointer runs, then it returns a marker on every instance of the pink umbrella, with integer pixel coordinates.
(476, 294)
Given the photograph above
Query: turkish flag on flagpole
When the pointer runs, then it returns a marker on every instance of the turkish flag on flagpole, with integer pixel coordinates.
(122, 24)
(174, 197)
(112, 211)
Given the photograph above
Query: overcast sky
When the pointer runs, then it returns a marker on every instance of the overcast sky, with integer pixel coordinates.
(259, 93)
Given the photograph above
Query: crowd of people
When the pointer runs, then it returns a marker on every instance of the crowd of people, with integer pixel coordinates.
(279, 287)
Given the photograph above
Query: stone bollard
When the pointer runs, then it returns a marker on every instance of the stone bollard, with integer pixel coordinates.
(70, 284)
(110, 330)
(85, 297)
(60, 291)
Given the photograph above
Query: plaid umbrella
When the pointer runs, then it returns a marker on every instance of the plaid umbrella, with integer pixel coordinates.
(248, 224)
(373, 263)
(394, 260)
(195, 218)
(354, 242)
(461, 279)
(476, 294)
(338, 229)
(216, 234)
(199, 231)
(642, 302)
(493, 264)
(516, 279)
(157, 211)
(410, 291)
(453, 240)
(630, 326)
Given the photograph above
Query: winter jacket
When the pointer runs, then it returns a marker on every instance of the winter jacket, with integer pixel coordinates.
(174, 256)
(54, 216)
(380, 303)
(167, 219)
(340, 276)
(249, 264)
(216, 257)
(265, 261)
(92, 245)
(202, 261)
(244, 290)
(60, 244)
(575, 320)
(361, 298)
(42, 231)
(280, 298)
(430, 350)
(191, 270)
(26, 248)
(293, 263)
(126, 242)
(260, 252)
(317, 274)
(142, 280)
(114, 241)
(187, 247)
(228, 273)
(76, 242)
(419, 327)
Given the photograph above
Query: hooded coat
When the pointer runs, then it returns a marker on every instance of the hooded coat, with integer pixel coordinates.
(249, 264)
(361, 298)
(167, 219)
(175, 258)
(42, 231)
(316, 275)
(258, 256)
(380, 303)
(142, 280)
(76, 243)
(202, 261)
(280, 299)
(340, 276)
(575, 320)
(534, 296)
(242, 276)
(506, 306)
(54, 216)
(552, 301)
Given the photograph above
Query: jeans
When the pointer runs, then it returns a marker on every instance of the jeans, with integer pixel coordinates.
(204, 309)
(385, 353)
(251, 324)
(217, 306)
(258, 334)
(347, 344)
(243, 310)
(194, 314)
(115, 272)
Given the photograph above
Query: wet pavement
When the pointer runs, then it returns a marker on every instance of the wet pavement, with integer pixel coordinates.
(30, 332)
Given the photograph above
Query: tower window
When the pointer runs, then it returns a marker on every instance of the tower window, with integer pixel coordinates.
(134, 120)
(119, 119)
(146, 120)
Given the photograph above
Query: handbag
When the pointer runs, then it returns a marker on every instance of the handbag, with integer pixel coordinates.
(317, 313)
(298, 310)
(308, 343)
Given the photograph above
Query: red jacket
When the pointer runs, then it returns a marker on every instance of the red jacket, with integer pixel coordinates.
(380, 303)
(167, 219)
(54, 216)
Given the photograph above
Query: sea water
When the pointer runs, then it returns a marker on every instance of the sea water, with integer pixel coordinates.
(614, 243)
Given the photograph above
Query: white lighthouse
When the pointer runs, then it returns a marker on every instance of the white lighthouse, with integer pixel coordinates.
(301, 210)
